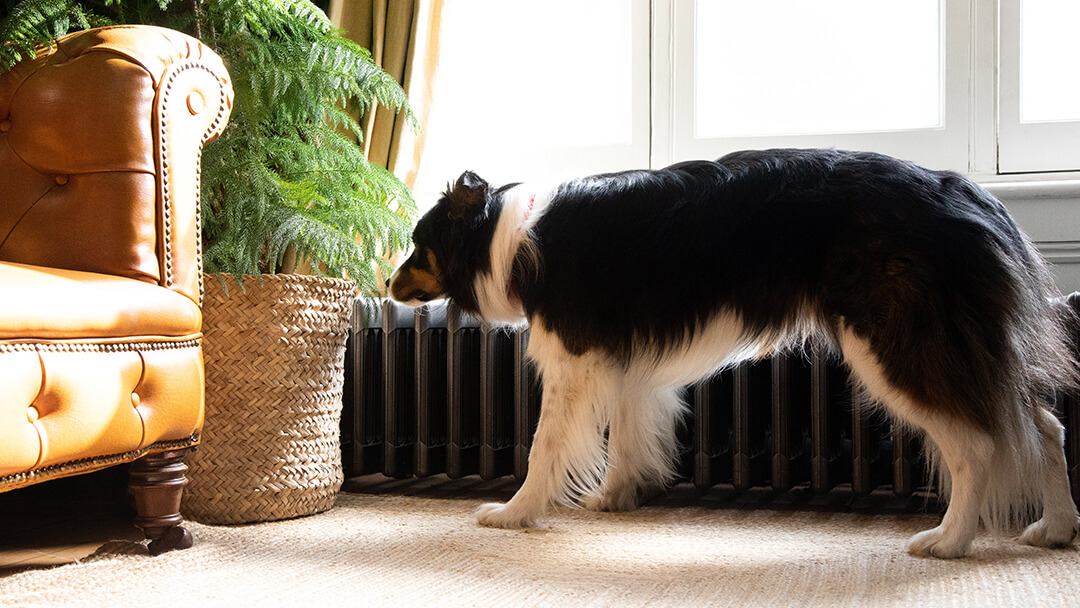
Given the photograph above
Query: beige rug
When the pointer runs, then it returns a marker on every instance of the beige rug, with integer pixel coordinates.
(423, 548)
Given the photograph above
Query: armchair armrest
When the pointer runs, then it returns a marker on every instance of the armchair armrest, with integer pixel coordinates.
(100, 141)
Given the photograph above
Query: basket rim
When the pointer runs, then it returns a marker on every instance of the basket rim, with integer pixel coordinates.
(280, 277)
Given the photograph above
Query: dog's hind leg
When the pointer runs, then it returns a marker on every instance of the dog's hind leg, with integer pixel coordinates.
(642, 447)
(567, 459)
(967, 453)
(1058, 524)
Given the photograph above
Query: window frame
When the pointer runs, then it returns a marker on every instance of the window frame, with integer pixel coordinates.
(947, 146)
(1036, 147)
(982, 134)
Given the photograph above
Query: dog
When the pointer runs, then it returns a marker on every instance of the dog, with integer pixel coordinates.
(637, 283)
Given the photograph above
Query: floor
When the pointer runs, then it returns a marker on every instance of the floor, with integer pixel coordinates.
(66, 520)
(63, 521)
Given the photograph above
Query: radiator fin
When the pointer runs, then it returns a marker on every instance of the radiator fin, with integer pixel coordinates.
(431, 390)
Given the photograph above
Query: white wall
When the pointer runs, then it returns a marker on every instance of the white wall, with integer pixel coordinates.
(1049, 212)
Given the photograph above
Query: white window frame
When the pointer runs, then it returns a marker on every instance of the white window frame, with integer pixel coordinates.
(981, 133)
(946, 146)
(1027, 147)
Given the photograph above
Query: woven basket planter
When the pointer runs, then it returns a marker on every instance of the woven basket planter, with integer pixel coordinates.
(274, 356)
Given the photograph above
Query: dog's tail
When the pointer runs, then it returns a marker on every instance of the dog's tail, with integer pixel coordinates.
(1044, 339)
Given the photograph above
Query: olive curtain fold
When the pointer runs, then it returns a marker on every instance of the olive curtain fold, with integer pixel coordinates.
(402, 36)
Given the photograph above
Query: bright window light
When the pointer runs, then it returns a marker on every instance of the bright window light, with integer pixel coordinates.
(527, 76)
(798, 67)
(1049, 59)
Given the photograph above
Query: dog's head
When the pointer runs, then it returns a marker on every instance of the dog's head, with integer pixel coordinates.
(451, 246)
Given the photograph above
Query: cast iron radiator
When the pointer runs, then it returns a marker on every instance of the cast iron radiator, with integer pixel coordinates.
(431, 390)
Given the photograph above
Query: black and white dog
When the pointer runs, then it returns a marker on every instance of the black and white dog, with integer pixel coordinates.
(637, 283)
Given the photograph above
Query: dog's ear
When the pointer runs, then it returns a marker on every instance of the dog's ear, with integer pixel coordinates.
(470, 181)
(468, 195)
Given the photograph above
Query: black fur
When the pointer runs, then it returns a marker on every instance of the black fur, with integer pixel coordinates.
(925, 265)
(632, 281)
(461, 245)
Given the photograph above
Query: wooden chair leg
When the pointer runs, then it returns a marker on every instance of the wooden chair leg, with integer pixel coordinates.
(157, 482)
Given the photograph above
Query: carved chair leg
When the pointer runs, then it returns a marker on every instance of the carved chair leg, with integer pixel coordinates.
(157, 482)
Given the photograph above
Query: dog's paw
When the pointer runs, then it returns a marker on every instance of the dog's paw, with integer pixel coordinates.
(613, 502)
(1049, 533)
(937, 542)
(498, 515)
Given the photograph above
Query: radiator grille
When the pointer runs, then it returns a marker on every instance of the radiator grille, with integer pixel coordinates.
(431, 390)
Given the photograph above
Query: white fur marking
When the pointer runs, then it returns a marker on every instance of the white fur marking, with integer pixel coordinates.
(639, 405)
(1059, 521)
(997, 480)
(522, 206)
(567, 458)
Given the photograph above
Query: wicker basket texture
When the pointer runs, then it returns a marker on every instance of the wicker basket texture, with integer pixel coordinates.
(274, 353)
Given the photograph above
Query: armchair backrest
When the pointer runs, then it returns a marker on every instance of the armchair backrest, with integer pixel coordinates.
(100, 140)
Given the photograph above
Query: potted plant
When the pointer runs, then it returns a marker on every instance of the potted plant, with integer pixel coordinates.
(284, 187)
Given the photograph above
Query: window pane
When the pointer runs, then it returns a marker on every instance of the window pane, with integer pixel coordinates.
(793, 67)
(1049, 60)
(518, 79)
(547, 73)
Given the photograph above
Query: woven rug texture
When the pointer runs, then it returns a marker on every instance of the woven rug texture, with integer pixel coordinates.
(385, 549)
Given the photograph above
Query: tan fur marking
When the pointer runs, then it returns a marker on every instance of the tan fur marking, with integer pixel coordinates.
(408, 280)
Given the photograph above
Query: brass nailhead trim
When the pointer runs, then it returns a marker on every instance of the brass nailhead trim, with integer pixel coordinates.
(164, 129)
(89, 347)
(58, 470)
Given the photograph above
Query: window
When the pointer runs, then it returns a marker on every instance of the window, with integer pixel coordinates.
(538, 89)
(527, 89)
(773, 67)
(1039, 90)
(843, 73)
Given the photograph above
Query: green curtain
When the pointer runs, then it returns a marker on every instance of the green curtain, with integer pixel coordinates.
(402, 36)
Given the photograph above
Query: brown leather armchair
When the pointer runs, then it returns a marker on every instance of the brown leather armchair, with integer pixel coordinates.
(100, 261)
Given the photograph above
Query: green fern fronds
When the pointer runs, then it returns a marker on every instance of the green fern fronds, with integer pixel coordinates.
(33, 24)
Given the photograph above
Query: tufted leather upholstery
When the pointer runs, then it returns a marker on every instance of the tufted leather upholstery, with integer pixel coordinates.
(100, 269)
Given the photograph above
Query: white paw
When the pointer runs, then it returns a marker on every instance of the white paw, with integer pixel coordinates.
(625, 499)
(593, 503)
(937, 542)
(1049, 533)
(498, 515)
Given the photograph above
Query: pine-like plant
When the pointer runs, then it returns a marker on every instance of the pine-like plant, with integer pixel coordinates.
(286, 180)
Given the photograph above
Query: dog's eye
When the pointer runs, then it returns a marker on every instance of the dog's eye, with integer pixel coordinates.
(420, 262)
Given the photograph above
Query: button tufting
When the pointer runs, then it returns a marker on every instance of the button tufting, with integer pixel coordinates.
(5, 125)
(195, 102)
(61, 179)
(135, 399)
(32, 414)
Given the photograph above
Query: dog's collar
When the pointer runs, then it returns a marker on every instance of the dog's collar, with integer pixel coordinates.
(498, 291)
(511, 286)
(528, 211)
(512, 290)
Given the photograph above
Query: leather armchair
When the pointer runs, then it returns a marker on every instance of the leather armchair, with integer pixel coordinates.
(100, 261)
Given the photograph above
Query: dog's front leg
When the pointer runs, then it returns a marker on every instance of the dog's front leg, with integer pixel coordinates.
(642, 447)
(567, 459)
